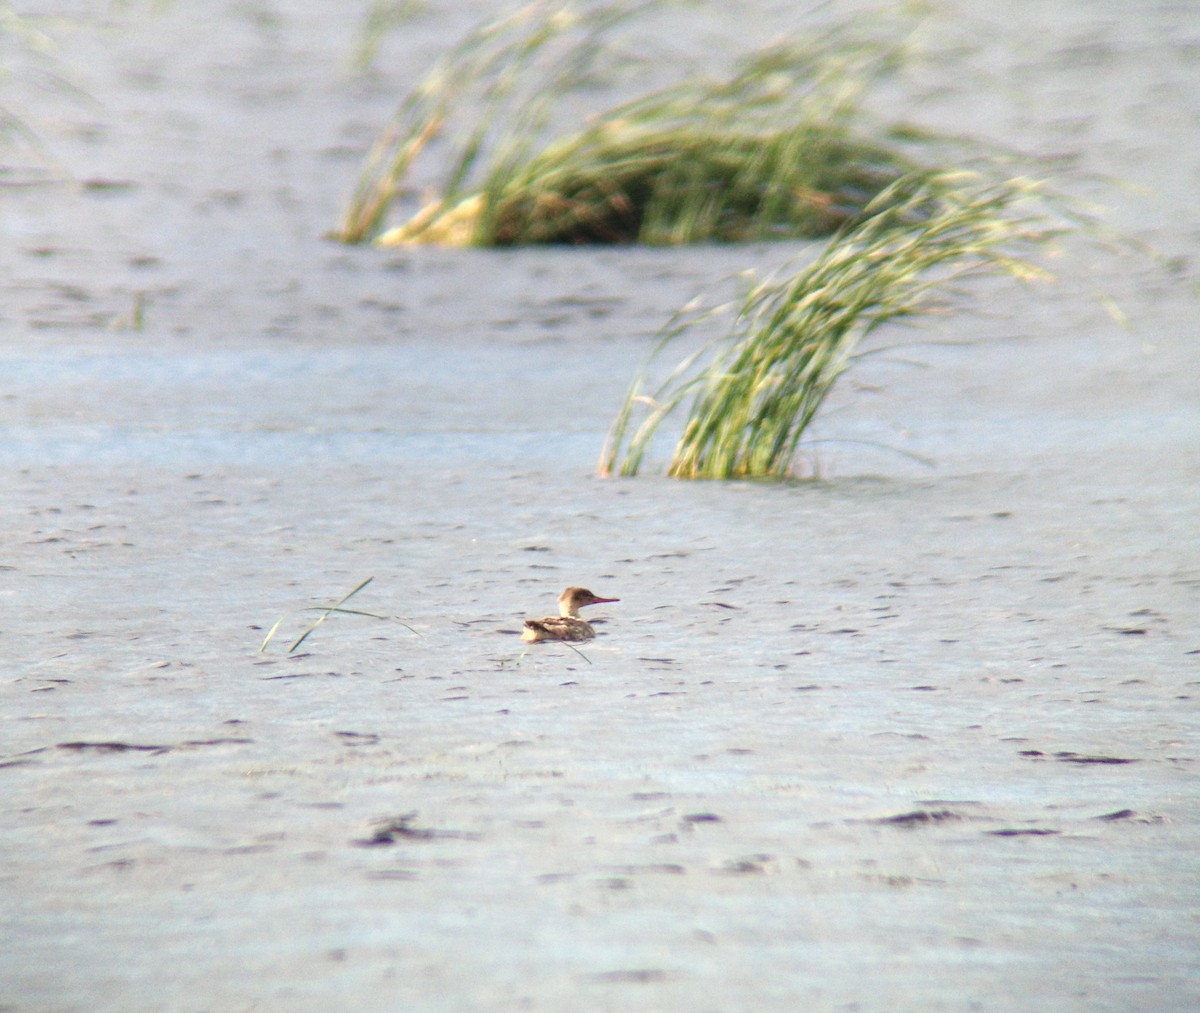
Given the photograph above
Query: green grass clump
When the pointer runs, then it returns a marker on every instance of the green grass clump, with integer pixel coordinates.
(769, 150)
(626, 184)
(755, 390)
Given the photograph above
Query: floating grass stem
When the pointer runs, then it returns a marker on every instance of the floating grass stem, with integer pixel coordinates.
(754, 391)
(521, 656)
(326, 611)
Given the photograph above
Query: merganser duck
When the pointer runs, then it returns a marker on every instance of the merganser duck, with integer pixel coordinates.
(566, 625)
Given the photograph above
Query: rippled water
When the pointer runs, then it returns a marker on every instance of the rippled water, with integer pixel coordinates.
(910, 737)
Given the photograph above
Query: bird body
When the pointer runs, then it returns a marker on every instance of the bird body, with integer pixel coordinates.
(567, 625)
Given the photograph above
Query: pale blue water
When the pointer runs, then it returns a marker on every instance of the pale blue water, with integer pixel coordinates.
(798, 660)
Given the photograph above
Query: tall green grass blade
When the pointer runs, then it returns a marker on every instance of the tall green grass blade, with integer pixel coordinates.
(271, 634)
(564, 643)
(382, 17)
(754, 392)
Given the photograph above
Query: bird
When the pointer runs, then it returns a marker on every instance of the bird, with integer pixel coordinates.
(566, 625)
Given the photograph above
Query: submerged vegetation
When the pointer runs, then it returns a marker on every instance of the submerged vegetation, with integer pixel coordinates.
(755, 389)
(770, 150)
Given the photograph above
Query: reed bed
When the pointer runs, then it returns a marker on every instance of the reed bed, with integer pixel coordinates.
(769, 150)
(753, 391)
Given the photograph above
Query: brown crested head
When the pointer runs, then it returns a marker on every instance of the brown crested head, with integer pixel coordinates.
(575, 598)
